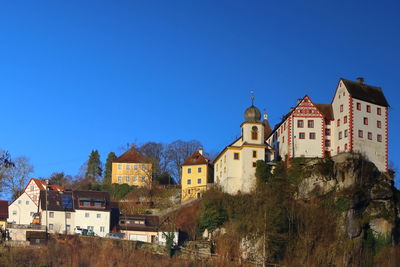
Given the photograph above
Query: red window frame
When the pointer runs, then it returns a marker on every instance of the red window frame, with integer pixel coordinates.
(302, 134)
(358, 106)
(365, 121)
(327, 132)
(340, 135)
(312, 123)
(368, 108)
(345, 147)
(341, 108)
(378, 124)
(369, 136)
(360, 133)
(379, 138)
(327, 143)
(312, 136)
(378, 111)
(344, 119)
(338, 122)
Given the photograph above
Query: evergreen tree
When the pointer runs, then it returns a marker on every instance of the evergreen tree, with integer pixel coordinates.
(108, 168)
(94, 169)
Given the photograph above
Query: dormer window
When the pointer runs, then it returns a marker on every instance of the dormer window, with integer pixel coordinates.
(254, 133)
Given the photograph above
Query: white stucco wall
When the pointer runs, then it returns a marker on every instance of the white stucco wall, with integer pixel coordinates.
(58, 221)
(21, 210)
(341, 98)
(104, 221)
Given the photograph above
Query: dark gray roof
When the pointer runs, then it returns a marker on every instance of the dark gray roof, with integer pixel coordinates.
(365, 92)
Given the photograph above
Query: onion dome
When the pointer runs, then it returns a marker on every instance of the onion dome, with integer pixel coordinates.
(252, 114)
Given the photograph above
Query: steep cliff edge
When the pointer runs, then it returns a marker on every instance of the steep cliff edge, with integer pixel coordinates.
(338, 211)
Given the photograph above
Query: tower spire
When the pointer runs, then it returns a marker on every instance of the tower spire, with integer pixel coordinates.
(252, 97)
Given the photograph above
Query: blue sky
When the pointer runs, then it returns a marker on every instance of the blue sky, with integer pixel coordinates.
(83, 75)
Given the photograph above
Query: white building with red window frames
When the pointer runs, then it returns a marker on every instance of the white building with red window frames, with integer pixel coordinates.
(355, 121)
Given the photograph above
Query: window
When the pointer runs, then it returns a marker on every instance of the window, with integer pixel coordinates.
(119, 179)
(120, 167)
(127, 179)
(135, 179)
(85, 203)
(143, 179)
(283, 139)
(310, 123)
(199, 181)
(189, 181)
(341, 108)
(345, 119)
(340, 135)
(300, 124)
(302, 135)
(379, 138)
(254, 164)
(346, 133)
(98, 215)
(254, 133)
(236, 155)
(14, 212)
(368, 108)
(86, 214)
(360, 133)
(97, 204)
(32, 188)
(102, 229)
(338, 122)
(31, 213)
(27, 202)
(51, 214)
(358, 106)
(369, 136)
(128, 167)
(143, 167)
(327, 122)
(90, 228)
(378, 111)
(199, 169)
(327, 143)
(68, 215)
(378, 124)
(68, 227)
(254, 153)
(135, 167)
(37, 241)
(365, 121)
(345, 147)
(51, 226)
(189, 170)
(312, 135)
(328, 132)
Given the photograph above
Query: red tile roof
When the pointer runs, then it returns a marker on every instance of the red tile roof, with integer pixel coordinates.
(132, 156)
(326, 110)
(196, 158)
(42, 185)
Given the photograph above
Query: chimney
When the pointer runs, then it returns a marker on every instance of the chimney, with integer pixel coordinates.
(360, 80)
(201, 151)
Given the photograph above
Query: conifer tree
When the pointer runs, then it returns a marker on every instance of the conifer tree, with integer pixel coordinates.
(94, 169)
(108, 168)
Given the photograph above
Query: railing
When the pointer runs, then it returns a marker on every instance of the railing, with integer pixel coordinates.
(26, 226)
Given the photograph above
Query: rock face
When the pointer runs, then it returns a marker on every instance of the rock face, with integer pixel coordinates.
(366, 197)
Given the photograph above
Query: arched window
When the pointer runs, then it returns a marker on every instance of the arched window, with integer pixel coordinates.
(254, 133)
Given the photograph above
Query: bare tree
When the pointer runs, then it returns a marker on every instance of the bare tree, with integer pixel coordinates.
(16, 176)
(177, 152)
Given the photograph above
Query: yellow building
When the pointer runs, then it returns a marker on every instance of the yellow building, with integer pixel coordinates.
(132, 168)
(197, 172)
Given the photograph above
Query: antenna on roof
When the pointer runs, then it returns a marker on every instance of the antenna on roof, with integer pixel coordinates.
(252, 97)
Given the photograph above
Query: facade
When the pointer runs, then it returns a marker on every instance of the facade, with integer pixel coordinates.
(34, 187)
(132, 168)
(234, 167)
(197, 173)
(68, 210)
(355, 121)
(22, 209)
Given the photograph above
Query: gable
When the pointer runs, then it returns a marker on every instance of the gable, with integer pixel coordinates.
(306, 108)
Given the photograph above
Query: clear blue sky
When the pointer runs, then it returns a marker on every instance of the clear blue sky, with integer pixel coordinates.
(83, 75)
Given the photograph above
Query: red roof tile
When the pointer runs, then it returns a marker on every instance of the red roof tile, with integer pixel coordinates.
(132, 156)
(196, 158)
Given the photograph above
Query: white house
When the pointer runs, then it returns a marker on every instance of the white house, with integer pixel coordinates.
(21, 210)
(234, 167)
(92, 211)
(355, 121)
